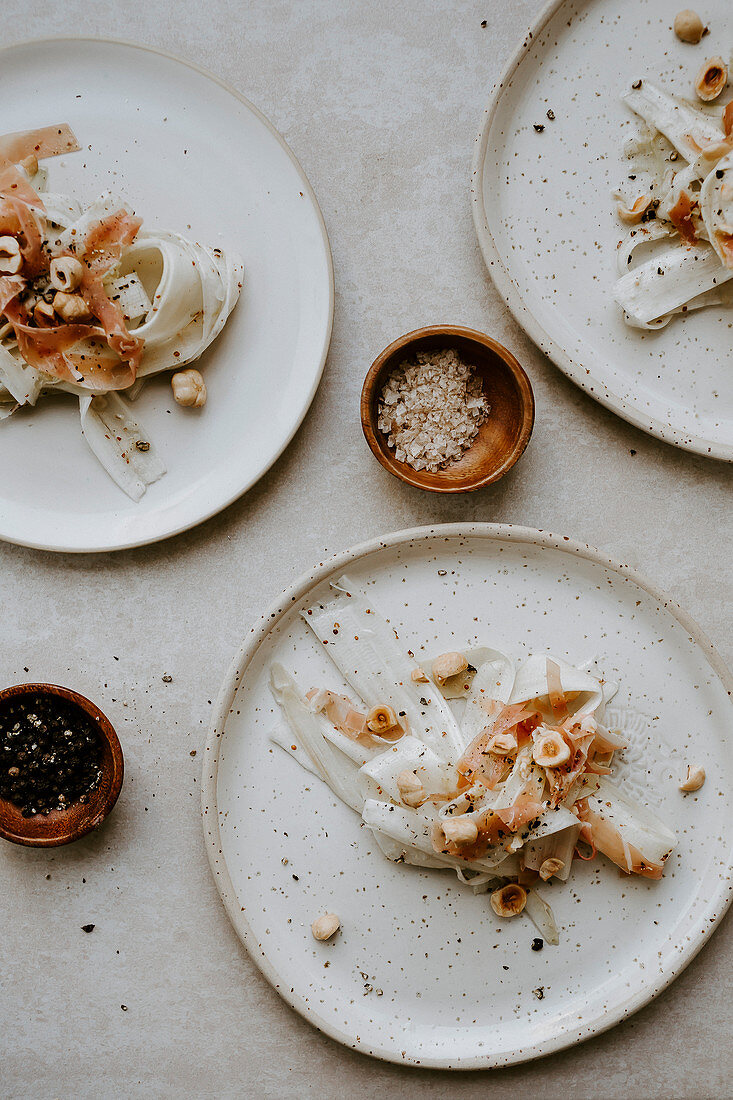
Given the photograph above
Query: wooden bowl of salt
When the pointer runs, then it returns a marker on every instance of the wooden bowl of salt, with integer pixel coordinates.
(502, 436)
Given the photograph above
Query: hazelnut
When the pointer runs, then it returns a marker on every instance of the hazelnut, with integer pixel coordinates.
(501, 744)
(509, 901)
(632, 215)
(711, 79)
(66, 273)
(694, 779)
(688, 26)
(11, 259)
(71, 308)
(550, 867)
(326, 926)
(411, 789)
(460, 831)
(550, 750)
(189, 389)
(381, 719)
(448, 665)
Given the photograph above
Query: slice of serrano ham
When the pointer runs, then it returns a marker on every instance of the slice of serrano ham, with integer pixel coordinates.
(46, 141)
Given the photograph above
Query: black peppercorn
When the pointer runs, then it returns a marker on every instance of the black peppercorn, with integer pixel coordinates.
(52, 753)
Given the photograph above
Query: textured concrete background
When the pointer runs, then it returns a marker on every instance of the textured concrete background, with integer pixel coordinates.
(381, 102)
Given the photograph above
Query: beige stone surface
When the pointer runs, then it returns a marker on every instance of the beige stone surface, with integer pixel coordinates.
(381, 101)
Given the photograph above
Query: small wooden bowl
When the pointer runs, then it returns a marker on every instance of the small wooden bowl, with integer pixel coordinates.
(63, 826)
(501, 438)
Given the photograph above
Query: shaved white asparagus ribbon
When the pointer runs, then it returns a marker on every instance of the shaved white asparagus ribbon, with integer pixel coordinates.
(664, 284)
(122, 446)
(459, 686)
(409, 793)
(532, 682)
(372, 660)
(716, 206)
(493, 683)
(628, 833)
(175, 294)
(379, 775)
(690, 205)
(306, 725)
(21, 382)
(688, 130)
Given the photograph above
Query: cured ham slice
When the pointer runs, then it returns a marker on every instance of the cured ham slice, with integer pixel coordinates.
(14, 185)
(107, 239)
(10, 287)
(46, 141)
(478, 762)
(128, 347)
(681, 217)
(127, 298)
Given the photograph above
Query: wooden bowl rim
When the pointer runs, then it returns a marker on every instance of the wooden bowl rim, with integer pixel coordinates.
(375, 438)
(115, 767)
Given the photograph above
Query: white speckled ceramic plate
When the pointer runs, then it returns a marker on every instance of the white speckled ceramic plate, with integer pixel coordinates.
(192, 155)
(546, 221)
(422, 972)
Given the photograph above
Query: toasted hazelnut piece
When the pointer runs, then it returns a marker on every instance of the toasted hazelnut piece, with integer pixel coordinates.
(381, 719)
(501, 744)
(66, 273)
(418, 676)
(550, 750)
(550, 867)
(189, 388)
(71, 307)
(632, 215)
(694, 779)
(460, 831)
(509, 901)
(711, 79)
(447, 665)
(11, 259)
(44, 314)
(411, 789)
(688, 26)
(324, 927)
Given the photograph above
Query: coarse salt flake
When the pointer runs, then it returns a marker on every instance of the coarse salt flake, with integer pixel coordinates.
(431, 409)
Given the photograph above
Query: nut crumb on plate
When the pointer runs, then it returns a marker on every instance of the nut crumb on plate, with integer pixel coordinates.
(694, 779)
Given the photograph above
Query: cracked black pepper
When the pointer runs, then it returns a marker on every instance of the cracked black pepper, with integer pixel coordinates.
(50, 754)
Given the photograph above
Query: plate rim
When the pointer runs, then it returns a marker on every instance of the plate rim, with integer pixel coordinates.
(179, 528)
(499, 273)
(718, 902)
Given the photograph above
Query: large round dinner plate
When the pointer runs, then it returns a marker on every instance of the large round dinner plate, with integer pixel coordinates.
(547, 224)
(422, 972)
(191, 155)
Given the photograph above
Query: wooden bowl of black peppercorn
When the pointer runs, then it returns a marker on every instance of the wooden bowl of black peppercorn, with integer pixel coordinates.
(61, 765)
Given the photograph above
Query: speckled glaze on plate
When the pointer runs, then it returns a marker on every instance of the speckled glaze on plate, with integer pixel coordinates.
(422, 973)
(189, 154)
(546, 221)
